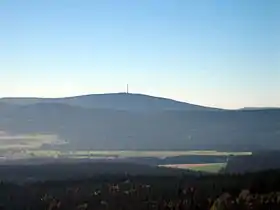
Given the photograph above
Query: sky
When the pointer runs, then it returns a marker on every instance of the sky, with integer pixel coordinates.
(209, 52)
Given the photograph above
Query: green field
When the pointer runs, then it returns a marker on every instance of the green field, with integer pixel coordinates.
(26, 142)
(26, 146)
(208, 167)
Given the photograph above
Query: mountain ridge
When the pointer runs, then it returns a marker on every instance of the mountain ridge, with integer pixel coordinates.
(117, 101)
(148, 123)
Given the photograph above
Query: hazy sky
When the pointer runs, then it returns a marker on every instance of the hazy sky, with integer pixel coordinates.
(223, 53)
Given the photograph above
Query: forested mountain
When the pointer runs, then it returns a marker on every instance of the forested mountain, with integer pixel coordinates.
(97, 129)
(115, 101)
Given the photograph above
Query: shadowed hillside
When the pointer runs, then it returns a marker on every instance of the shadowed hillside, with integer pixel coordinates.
(108, 129)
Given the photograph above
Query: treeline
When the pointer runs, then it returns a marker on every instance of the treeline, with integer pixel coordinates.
(77, 169)
(125, 192)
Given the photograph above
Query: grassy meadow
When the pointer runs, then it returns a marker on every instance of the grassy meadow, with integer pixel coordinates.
(204, 167)
(26, 142)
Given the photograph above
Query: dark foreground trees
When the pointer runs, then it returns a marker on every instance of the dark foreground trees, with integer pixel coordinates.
(216, 192)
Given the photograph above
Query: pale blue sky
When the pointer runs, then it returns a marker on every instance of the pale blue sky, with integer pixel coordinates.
(223, 53)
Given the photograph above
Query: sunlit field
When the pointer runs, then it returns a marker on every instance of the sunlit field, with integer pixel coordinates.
(124, 154)
(207, 167)
(18, 142)
(30, 146)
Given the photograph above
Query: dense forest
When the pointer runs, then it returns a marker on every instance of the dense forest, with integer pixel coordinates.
(32, 171)
(259, 191)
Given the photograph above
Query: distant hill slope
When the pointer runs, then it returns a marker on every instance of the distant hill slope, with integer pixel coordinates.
(116, 101)
(108, 129)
